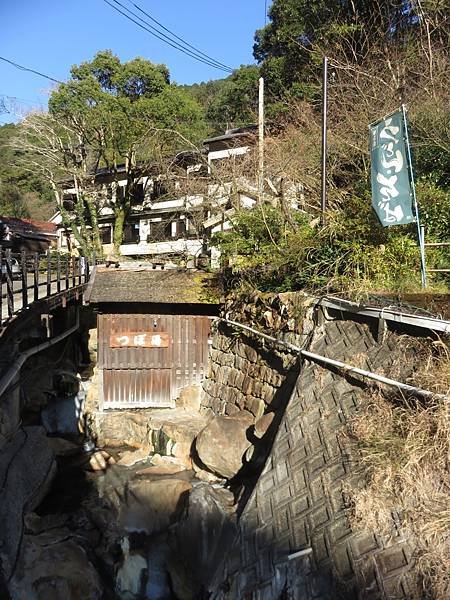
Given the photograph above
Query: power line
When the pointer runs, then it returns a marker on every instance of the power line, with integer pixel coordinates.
(22, 68)
(179, 38)
(147, 27)
(164, 38)
(16, 99)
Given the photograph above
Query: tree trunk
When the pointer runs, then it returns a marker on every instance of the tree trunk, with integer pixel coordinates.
(119, 223)
(96, 241)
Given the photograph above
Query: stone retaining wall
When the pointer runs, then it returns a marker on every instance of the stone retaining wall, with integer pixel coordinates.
(245, 373)
(295, 499)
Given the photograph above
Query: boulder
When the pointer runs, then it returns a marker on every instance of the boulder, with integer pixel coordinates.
(152, 505)
(36, 524)
(131, 457)
(100, 460)
(190, 398)
(129, 428)
(222, 443)
(206, 476)
(173, 431)
(161, 470)
(263, 424)
(200, 540)
(63, 415)
(168, 461)
(63, 447)
(51, 566)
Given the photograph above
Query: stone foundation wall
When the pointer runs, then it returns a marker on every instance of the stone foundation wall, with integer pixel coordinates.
(248, 374)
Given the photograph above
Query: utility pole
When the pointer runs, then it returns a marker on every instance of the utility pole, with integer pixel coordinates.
(261, 140)
(324, 137)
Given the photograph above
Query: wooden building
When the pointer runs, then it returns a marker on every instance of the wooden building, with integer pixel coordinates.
(153, 333)
(167, 222)
(27, 235)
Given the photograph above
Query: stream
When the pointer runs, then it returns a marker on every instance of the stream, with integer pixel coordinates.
(136, 531)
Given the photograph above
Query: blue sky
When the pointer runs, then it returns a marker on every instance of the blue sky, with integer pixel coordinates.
(52, 35)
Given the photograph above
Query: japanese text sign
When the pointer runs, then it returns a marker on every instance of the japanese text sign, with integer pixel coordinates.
(391, 185)
(139, 339)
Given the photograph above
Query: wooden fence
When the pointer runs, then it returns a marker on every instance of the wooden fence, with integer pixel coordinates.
(28, 277)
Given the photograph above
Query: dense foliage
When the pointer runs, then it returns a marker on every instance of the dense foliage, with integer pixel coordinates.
(122, 116)
(381, 54)
(23, 194)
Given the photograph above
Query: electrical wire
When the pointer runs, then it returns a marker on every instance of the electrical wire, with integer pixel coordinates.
(179, 38)
(148, 28)
(164, 38)
(16, 99)
(22, 68)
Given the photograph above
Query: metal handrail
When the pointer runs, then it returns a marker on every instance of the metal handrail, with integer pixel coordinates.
(434, 245)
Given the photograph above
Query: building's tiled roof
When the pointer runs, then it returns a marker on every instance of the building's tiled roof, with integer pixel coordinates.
(244, 133)
(26, 227)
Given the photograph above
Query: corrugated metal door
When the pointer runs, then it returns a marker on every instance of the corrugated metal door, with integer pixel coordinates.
(146, 359)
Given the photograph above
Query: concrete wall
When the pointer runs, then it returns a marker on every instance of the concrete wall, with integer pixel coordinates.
(27, 465)
(296, 496)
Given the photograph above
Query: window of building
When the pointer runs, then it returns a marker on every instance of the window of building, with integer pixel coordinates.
(139, 195)
(159, 189)
(105, 235)
(160, 230)
(180, 228)
(131, 233)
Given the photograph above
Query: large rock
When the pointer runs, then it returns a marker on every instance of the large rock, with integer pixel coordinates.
(63, 447)
(222, 443)
(262, 424)
(125, 428)
(51, 566)
(152, 505)
(131, 457)
(190, 398)
(64, 415)
(27, 469)
(173, 432)
(200, 540)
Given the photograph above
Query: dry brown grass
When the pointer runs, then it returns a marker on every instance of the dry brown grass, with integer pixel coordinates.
(404, 446)
(434, 375)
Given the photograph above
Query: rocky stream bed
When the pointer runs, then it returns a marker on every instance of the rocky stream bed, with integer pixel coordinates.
(119, 523)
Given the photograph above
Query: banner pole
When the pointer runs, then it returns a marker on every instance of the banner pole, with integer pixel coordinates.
(416, 207)
(323, 203)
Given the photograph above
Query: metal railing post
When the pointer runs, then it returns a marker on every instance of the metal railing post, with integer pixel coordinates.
(58, 273)
(66, 270)
(72, 264)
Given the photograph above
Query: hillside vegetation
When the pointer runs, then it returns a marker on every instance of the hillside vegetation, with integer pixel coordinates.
(23, 194)
(381, 54)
